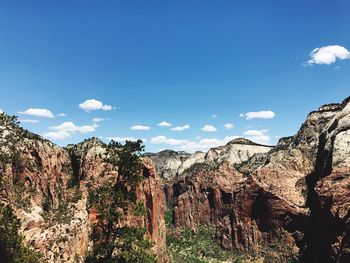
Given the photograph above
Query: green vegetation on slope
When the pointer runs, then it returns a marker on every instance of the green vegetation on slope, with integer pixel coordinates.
(187, 246)
(113, 243)
(12, 248)
(200, 247)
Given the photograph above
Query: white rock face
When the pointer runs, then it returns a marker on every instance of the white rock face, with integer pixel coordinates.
(341, 150)
(171, 164)
(59, 242)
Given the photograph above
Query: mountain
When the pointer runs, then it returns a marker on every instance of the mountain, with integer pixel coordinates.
(171, 163)
(74, 203)
(241, 202)
(289, 203)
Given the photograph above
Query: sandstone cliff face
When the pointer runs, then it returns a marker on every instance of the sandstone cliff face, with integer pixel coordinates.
(300, 187)
(328, 234)
(246, 216)
(48, 188)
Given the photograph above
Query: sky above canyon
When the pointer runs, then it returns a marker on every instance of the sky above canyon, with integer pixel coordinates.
(184, 75)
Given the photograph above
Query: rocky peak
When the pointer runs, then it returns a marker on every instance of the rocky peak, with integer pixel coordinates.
(171, 164)
(300, 187)
(49, 188)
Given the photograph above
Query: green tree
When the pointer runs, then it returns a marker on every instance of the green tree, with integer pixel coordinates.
(12, 248)
(113, 243)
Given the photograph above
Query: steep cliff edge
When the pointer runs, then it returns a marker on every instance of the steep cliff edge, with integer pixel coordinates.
(328, 235)
(50, 188)
(171, 164)
(295, 196)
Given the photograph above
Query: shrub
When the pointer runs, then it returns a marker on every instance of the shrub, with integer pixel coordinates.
(111, 242)
(12, 248)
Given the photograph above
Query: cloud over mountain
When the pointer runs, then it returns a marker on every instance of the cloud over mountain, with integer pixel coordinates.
(38, 113)
(67, 129)
(260, 115)
(92, 104)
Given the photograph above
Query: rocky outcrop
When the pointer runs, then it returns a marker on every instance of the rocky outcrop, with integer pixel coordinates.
(296, 193)
(48, 187)
(246, 216)
(150, 193)
(171, 164)
(168, 162)
(328, 235)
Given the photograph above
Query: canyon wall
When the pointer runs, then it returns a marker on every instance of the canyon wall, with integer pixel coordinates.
(48, 188)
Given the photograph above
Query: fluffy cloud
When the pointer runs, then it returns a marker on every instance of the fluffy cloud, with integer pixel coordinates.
(260, 115)
(93, 104)
(1, 111)
(228, 126)
(164, 140)
(258, 136)
(140, 128)
(181, 128)
(192, 145)
(328, 55)
(66, 129)
(213, 116)
(29, 121)
(164, 124)
(61, 115)
(123, 139)
(38, 113)
(98, 119)
(209, 128)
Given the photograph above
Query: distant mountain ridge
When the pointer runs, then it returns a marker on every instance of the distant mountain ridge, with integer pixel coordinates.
(172, 163)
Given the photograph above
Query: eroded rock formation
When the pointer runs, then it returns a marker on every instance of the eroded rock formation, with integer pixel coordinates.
(48, 187)
(297, 194)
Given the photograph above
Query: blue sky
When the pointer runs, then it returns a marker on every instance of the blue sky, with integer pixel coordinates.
(175, 61)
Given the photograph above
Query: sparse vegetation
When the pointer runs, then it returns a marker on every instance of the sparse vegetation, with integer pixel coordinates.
(12, 248)
(198, 167)
(113, 243)
(140, 209)
(168, 216)
(301, 184)
(199, 247)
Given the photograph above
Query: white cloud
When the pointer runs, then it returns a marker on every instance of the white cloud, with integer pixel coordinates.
(38, 113)
(164, 140)
(213, 116)
(192, 146)
(1, 111)
(93, 104)
(209, 128)
(71, 127)
(228, 126)
(327, 55)
(66, 129)
(140, 128)
(241, 115)
(61, 115)
(258, 136)
(123, 139)
(260, 115)
(58, 136)
(98, 119)
(29, 121)
(164, 124)
(181, 128)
